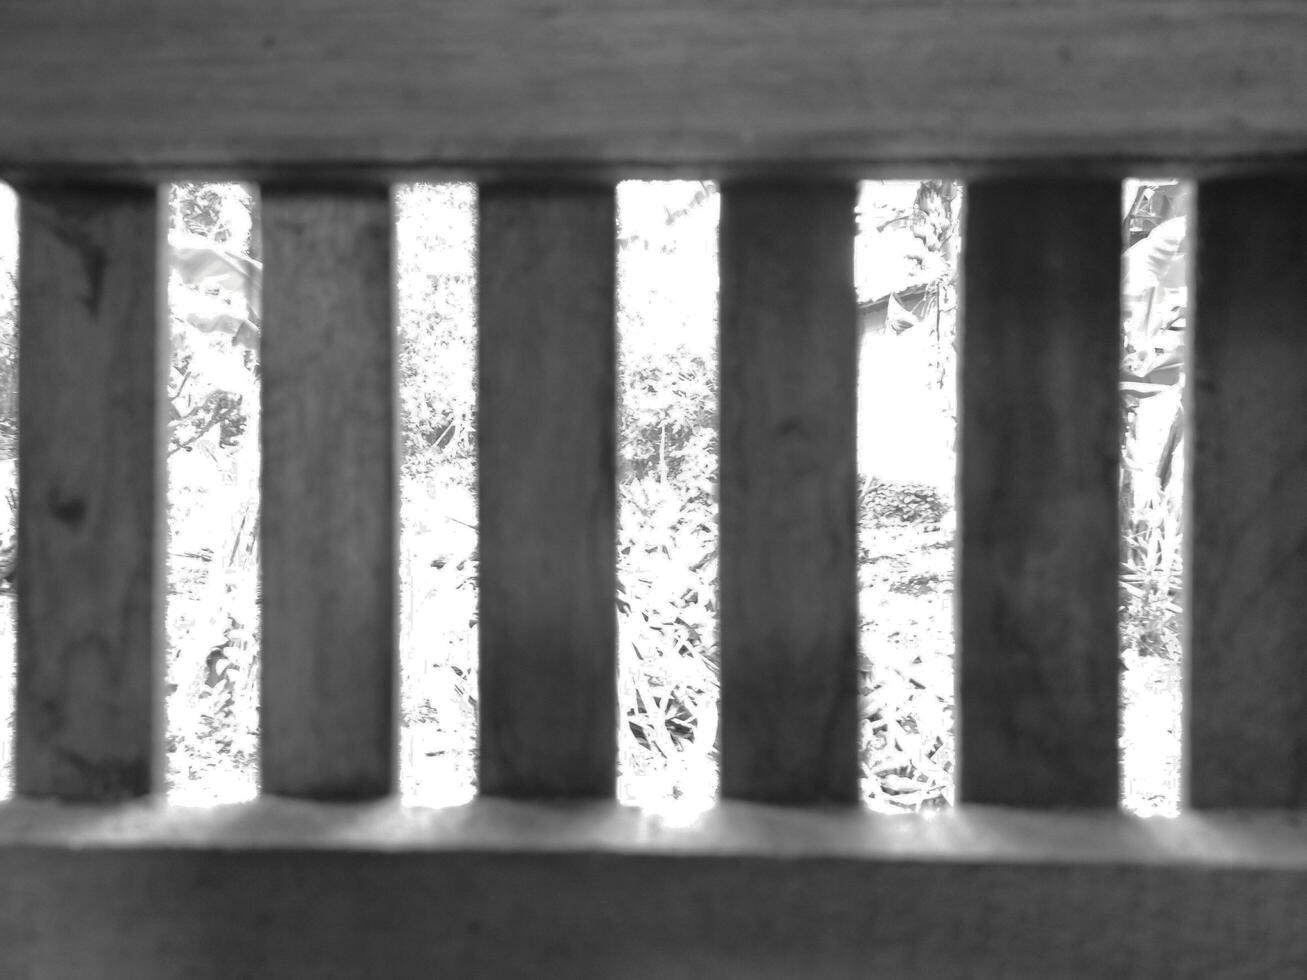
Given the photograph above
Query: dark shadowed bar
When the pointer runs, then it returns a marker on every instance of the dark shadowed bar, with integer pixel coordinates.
(329, 494)
(1039, 471)
(788, 492)
(88, 718)
(546, 428)
(1246, 737)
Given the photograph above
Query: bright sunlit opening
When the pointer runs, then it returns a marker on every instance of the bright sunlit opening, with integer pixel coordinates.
(435, 259)
(1154, 317)
(212, 670)
(906, 274)
(8, 474)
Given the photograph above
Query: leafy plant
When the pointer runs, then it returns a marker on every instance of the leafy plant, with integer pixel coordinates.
(213, 387)
(1155, 306)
